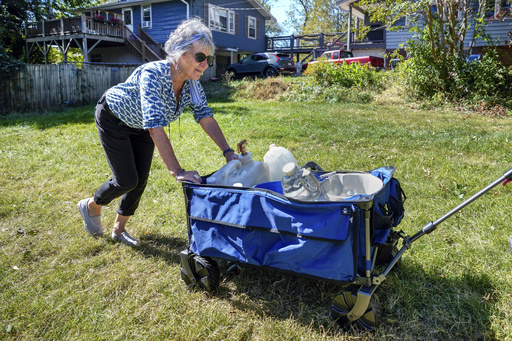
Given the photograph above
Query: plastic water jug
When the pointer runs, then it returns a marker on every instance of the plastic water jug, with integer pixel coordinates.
(343, 186)
(299, 183)
(276, 158)
(244, 172)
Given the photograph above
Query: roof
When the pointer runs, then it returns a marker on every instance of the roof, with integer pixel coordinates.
(356, 10)
(127, 3)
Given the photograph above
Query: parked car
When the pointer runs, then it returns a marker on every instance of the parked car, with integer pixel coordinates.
(340, 57)
(263, 64)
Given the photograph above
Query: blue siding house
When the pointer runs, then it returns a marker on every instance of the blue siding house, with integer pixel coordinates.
(238, 27)
(499, 30)
(134, 31)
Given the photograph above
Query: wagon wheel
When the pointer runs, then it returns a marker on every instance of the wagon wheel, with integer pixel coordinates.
(205, 273)
(344, 303)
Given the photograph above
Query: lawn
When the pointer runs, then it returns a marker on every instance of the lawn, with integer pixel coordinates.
(58, 283)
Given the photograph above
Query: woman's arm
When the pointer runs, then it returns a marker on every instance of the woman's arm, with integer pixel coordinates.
(164, 147)
(211, 127)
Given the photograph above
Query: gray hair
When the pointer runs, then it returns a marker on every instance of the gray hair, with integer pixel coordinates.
(188, 32)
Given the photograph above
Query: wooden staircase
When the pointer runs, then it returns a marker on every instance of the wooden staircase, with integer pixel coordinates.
(143, 45)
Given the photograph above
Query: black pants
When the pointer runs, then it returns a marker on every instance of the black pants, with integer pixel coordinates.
(129, 153)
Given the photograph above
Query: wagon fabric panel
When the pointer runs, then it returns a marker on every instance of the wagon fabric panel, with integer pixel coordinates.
(261, 227)
(258, 228)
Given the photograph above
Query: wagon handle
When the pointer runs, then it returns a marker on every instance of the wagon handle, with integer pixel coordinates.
(431, 226)
(241, 147)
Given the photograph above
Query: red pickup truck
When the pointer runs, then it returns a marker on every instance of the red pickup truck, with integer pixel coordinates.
(340, 56)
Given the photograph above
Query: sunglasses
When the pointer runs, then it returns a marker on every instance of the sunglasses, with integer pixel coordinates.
(200, 57)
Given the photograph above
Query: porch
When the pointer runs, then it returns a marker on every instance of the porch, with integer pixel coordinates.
(99, 29)
(313, 45)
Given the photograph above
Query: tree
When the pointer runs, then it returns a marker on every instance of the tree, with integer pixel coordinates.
(316, 16)
(14, 15)
(437, 68)
(443, 24)
(272, 28)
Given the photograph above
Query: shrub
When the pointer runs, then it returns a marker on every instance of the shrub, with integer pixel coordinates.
(345, 75)
(455, 80)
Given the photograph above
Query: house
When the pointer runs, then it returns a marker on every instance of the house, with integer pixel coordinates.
(381, 41)
(134, 31)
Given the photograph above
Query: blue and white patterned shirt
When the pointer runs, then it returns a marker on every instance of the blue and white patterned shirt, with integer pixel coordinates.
(146, 99)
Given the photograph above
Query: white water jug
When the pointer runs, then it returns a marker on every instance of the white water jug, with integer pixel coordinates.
(276, 158)
(244, 172)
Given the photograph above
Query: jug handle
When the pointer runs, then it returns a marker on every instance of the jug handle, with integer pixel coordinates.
(241, 147)
(231, 166)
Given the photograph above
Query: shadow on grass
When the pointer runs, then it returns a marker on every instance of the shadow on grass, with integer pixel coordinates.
(164, 247)
(50, 119)
(414, 304)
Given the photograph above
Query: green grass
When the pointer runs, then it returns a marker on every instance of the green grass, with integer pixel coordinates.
(58, 283)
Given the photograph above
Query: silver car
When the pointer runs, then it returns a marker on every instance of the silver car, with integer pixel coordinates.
(262, 64)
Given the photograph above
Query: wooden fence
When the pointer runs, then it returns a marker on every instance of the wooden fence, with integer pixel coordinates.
(40, 87)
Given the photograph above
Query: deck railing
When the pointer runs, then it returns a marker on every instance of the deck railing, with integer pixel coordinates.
(314, 44)
(82, 24)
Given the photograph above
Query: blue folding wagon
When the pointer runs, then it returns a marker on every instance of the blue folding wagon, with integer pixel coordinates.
(340, 241)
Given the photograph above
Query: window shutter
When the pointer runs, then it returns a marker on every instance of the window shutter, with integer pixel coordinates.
(246, 26)
(237, 24)
(206, 15)
(257, 29)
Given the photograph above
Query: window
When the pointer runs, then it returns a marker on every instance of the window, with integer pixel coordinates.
(127, 16)
(504, 8)
(251, 27)
(221, 19)
(498, 9)
(146, 16)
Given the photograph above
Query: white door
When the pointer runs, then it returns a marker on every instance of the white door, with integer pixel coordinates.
(128, 18)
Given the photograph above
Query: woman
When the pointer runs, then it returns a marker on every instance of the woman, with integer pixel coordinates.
(131, 117)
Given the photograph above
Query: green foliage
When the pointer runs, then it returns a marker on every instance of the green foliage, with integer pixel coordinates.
(344, 75)
(8, 65)
(455, 80)
(316, 16)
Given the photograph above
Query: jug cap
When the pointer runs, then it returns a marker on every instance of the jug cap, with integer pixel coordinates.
(289, 169)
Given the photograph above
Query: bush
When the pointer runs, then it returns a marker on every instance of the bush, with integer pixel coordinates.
(455, 80)
(345, 75)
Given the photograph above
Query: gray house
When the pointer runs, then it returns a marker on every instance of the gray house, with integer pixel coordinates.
(381, 41)
(134, 31)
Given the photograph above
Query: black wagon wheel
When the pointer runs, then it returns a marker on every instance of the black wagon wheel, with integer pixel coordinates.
(343, 304)
(270, 72)
(204, 273)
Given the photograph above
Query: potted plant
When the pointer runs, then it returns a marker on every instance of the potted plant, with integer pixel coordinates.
(114, 20)
(99, 18)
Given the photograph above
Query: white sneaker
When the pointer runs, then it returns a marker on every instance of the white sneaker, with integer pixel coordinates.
(125, 238)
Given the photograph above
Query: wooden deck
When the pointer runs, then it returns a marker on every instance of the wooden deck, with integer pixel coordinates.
(88, 32)
(313, 45)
